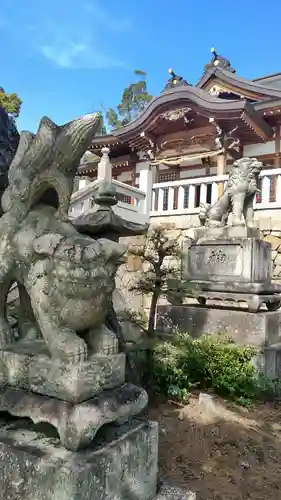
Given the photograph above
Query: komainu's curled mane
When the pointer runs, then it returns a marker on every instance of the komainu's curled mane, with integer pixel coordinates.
(237, 198)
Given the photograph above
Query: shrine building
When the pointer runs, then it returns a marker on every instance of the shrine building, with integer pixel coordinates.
(177, 153)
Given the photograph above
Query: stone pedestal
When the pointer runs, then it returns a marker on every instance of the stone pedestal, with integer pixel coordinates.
(257, 329)
(29, 366)
(239, 259)
(97, 452)
(231, 264)
(262, 329)
(121, 464)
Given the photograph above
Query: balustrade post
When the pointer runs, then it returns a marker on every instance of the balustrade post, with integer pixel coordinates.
(191, 197)
(278, 189)
(214, 193)
(203, 193)
(265, 190)
(145, 184)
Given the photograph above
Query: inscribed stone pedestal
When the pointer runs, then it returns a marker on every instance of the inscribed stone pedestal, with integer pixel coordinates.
(247, 259)
(121, 464)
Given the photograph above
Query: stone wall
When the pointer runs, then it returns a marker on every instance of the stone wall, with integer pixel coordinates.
(126, 277)
(274, 238)
(124, 299)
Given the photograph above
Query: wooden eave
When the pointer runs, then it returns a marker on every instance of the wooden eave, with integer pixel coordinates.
(230, 81)
(202, 103)
(270, 110)
(101, 141)
(228, 113)
(117, 148)
(118, 162)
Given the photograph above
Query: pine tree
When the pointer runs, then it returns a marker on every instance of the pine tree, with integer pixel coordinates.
(134, 100)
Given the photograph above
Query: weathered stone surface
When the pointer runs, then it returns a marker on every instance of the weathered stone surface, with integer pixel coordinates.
(28, 366)
(65, 280)
(234, 260)
(120, 465)
(268, 361)
(272, 301)
(274, 241)
(168, 492)
(63, 370)
(78, 424)
(277, 271)
(277, 260)
(238, 287)
(274, 254)
(257, 329)
(134, 263)
(202, 234)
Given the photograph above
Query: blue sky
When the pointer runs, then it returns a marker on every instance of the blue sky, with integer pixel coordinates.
(67, 57)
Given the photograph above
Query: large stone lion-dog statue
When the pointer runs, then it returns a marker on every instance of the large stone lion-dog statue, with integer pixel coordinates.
(237, 198)
(65, 279)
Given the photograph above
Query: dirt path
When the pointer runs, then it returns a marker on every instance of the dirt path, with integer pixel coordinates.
(221, 451)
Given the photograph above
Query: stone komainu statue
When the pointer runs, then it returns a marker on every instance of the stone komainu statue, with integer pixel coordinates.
(237, 198)
(65, 279)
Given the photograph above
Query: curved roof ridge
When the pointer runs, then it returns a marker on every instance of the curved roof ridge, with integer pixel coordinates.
(233, 78)
(181, 96)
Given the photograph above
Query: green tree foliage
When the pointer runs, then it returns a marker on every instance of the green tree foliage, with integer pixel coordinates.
(159, 274)
(10, 102)
(134, 100)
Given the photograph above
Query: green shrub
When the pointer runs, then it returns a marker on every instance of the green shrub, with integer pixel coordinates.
(211, 362)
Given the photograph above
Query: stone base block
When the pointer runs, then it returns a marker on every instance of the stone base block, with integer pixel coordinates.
(167, 492)
(237, 287)
(254, 301)
(28, 366)
(78, 424)
(269, 361)
(257, 329)
(121, 466)
(201, 234)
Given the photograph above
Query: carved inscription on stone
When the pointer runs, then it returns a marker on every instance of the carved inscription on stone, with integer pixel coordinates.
(215, 260)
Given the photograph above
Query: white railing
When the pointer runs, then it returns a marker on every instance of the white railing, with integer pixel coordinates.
(129, 198)
(185, 195)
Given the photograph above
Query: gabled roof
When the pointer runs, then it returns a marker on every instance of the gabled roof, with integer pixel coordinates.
(196, 103)
(199, 100)
(245, 87)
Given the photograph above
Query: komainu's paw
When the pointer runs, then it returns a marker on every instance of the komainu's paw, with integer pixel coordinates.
(67, 346)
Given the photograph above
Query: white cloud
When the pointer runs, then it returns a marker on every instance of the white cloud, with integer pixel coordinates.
(70, 34)
(69, 54)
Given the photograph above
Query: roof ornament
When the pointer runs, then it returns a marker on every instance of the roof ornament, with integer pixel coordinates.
(175, 81)
(218, 61)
